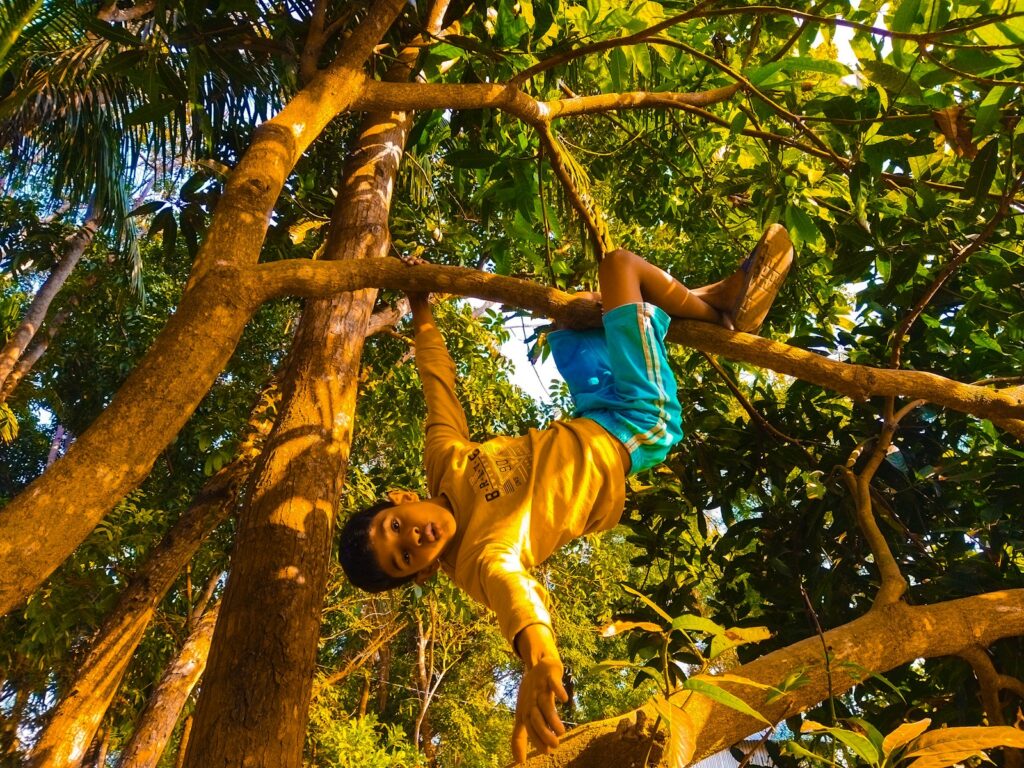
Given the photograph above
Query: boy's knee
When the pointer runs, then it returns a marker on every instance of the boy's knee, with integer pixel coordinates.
(617, 262)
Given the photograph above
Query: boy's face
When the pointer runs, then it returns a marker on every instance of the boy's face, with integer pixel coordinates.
(410, 537)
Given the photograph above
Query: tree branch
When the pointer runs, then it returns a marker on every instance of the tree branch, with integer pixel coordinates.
(893, 584)
(320, 278)
(877, 642)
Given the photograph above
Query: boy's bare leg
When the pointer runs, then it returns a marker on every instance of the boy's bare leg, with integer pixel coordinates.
(628, 279)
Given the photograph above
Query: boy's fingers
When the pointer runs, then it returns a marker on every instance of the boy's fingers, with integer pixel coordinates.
(551, 718)
(541, 730)
(519, 742)
(560, 691)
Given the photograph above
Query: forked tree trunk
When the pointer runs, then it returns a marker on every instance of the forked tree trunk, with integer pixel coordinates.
(75, 720)
(156, 724)
(267, 637)
(75, 246)
(39, 529)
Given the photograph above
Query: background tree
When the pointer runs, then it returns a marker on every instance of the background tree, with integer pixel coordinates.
(869, 491)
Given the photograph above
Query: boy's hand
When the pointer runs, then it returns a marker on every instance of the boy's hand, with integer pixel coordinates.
(417, 299)
(537, 717)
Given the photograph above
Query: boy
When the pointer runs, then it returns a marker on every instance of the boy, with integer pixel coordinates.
(498, 508)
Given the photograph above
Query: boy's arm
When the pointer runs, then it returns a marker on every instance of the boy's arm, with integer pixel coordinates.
(520, 603)
(446, 421)
(537, 717)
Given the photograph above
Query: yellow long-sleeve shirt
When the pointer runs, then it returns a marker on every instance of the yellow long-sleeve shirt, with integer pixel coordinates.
(515, 499)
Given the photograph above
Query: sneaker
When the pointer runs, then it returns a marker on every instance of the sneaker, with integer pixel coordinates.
(764, 270)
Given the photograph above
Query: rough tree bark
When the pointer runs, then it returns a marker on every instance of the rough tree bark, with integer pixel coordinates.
(76, 719)
(156, 724)
(267, 636)
(883, 639)
(75, 247)
(39, 529)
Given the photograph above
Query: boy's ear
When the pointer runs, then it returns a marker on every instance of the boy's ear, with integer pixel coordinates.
(424, 575)
(402, 497)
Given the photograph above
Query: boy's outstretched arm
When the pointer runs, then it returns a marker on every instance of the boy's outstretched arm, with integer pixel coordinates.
(422, 316)
(446, 421)
(537, 717)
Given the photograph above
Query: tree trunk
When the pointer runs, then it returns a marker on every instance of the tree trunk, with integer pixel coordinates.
(74, 722)
(35, 351)
(267, 637)
(156, 725)
(39, 528)
(74, 248)
(882, 639)
(186, 734)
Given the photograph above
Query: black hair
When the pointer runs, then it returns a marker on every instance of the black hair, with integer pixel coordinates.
(358, 559)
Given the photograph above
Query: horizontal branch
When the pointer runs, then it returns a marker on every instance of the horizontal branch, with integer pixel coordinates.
(320, 278)
(881, 640)
(376, 95)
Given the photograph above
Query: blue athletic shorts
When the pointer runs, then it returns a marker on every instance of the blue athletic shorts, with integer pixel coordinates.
(619, 376)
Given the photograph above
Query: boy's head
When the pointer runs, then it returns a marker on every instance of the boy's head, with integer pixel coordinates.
(395, 541)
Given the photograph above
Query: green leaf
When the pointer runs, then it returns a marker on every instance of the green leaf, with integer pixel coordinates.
(737, 636)
(793, 681)
(511, 26)
(112, 32)
(618, 69)
(904, 734)
(648, 602)
(902, 21)
(618, 627)
(859, 743)
(801, 226)
(984, 341)
(682, 740)
(948, 746)
(798, 750)
(983, 172)
(894, 80)
(8, 424)
(905, 16)
(704, 687)
(150, 113)
(990, 109)
(691, 623)
(607, 664)
(148, 208)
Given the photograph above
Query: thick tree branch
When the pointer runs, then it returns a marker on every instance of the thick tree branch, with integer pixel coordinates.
(879, 641)
(539, 114)
(316, 278)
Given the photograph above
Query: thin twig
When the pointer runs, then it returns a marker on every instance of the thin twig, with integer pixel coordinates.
(824, 649)
(748, 406)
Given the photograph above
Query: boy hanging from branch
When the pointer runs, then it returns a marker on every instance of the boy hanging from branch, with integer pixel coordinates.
(498, 508)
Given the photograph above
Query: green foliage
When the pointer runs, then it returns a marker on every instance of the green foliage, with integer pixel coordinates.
(363, 742)
(902, 156)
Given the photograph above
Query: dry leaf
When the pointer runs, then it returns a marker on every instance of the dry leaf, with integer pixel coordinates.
(952, 121)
